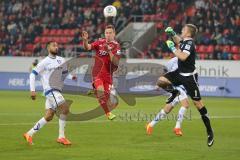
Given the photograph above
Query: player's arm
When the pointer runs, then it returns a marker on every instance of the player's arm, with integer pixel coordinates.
(32, 77)
(86, 45)
(176, 38)
(114, 58)
(182, 55)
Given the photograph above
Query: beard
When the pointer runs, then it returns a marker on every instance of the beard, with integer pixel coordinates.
(54, 52)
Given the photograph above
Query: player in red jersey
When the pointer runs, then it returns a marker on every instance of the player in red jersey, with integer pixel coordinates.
(106, 62)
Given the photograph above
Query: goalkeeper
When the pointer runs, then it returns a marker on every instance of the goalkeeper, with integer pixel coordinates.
(186, 73)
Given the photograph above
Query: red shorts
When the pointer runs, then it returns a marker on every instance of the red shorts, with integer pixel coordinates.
(102, 82)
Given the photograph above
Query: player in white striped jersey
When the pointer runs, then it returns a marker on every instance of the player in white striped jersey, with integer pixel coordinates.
(52, 70)
(172, 65)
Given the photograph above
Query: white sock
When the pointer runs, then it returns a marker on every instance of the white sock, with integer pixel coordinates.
(62, 123)
(181, 113)
(161, 115)
(37, 126)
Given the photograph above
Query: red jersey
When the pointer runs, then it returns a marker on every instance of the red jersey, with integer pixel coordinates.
(103, 67)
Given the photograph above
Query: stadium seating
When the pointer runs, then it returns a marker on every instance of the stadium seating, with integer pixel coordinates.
(42, 28)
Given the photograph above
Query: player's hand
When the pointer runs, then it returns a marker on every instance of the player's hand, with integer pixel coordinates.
(33, 95)
(170, 45)
(84, 35)
(170, 31)
(109, 48)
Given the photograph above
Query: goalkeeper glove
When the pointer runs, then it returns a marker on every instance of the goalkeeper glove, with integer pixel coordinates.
(170, 31)
(171, 46)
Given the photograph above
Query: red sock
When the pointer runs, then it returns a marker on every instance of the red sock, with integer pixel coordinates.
(103, 102)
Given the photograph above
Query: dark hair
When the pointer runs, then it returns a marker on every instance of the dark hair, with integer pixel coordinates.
(48, 43)
(110, 27)
(193, 29)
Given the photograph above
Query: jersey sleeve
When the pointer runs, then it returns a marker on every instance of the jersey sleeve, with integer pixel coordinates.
(39, 68)
(187, 47)
(95, 45)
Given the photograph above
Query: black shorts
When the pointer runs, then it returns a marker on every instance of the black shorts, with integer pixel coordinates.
(190, 83)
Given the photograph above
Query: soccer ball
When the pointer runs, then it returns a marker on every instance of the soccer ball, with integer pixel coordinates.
(110, 11)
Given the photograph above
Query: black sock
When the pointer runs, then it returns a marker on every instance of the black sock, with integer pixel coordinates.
(206, 120)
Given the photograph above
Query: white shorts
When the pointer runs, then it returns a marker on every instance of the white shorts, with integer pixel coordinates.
(53, 100)
(182, 96)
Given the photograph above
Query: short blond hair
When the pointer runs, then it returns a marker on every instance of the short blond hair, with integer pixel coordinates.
(192, 29)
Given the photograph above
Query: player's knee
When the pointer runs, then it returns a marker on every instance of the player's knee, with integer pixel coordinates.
(49, 117)
(185, 103)
(65, 110)
(100, 91)
(162, 82)
(167, 110)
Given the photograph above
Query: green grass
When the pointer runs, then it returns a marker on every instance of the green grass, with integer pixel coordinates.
(121, 139)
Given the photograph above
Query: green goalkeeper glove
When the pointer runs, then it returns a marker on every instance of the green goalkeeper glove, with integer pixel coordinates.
(171, 46)
(170, 31)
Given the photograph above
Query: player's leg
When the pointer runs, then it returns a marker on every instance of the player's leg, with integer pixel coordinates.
(183, 99)
(193, 90)
(63, 112)
(206, 120)
(112, 101)
(184, 106)
(59, 105)
(48, 117)
(166, 83)
(160, 116)
(103, 97)
(98, 85)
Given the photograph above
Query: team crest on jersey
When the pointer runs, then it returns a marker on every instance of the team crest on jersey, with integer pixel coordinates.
(59, 61)
(189, 42)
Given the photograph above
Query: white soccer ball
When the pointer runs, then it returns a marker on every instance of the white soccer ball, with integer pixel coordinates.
(110, 11)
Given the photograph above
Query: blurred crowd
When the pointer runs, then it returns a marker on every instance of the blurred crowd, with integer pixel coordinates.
(22, 21)
(218, 22)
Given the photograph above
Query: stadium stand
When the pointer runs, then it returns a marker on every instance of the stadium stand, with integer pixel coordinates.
(218, 22)
(26, 26)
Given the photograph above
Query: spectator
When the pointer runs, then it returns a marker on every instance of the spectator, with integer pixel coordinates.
(225, 54)
(37, 50)
(216, 36)
(137, 12)
(117, 4)
(23, 21)
(206, 37)
(217, 54)
(199, 4)
(121, 22)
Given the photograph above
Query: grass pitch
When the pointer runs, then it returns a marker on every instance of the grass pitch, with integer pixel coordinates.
(123, 138)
